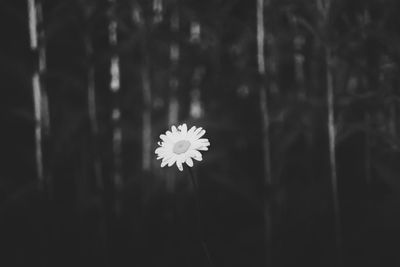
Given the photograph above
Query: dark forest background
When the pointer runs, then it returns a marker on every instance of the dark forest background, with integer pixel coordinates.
(300, 100)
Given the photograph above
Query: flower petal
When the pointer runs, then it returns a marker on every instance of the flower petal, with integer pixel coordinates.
(159, 150)
(197, 131)
(169, 134)
(202, 132)
(168, 157)
(196, 145)
(171, 161)
(192, 130)
(189, 162)
(163, 163)
(173, 136)
(163, 137)
(184, 128)
(197, 155)
(179, 164)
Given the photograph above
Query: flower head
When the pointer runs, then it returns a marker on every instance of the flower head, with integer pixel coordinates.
(180, 145)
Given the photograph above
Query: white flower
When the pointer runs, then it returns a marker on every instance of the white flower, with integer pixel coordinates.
(180, 145)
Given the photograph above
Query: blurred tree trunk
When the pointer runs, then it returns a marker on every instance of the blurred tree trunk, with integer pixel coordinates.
(332, 152)
(40, 95)
(387, 76)
(299, 58)
(116, 112)
(158, 11)
(173, 105)
(272, 62)
(324, 7)
(146, 86)
(146, 118)
(196, 108)
(368, 156)
(113, 183)
(265, 130)
(91, 99)
(393, 118)
(365, 20)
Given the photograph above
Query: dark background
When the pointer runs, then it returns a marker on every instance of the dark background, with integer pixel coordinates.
(150, 219)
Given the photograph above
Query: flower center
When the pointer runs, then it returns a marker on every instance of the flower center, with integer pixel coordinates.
(181, 147)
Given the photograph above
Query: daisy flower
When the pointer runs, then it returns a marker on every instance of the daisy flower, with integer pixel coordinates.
(181, 145)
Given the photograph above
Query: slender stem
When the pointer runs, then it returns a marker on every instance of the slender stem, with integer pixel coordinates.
(199, 223)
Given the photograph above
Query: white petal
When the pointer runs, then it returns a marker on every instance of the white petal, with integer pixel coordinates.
(197, 131)
(167, 157)
(171, 161)
(184, 128)
(179, 164)
(203, 148)
(192, 130)
(189, 162)
(206, 144)
(199, 142)
(168, 134)
(197, 145)
(159, 150)
(197, 155)
(163, 137)
(202, 132)
(172, 136)
(173, 128)
(190, 134)
(163, 163)
(198, 159)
